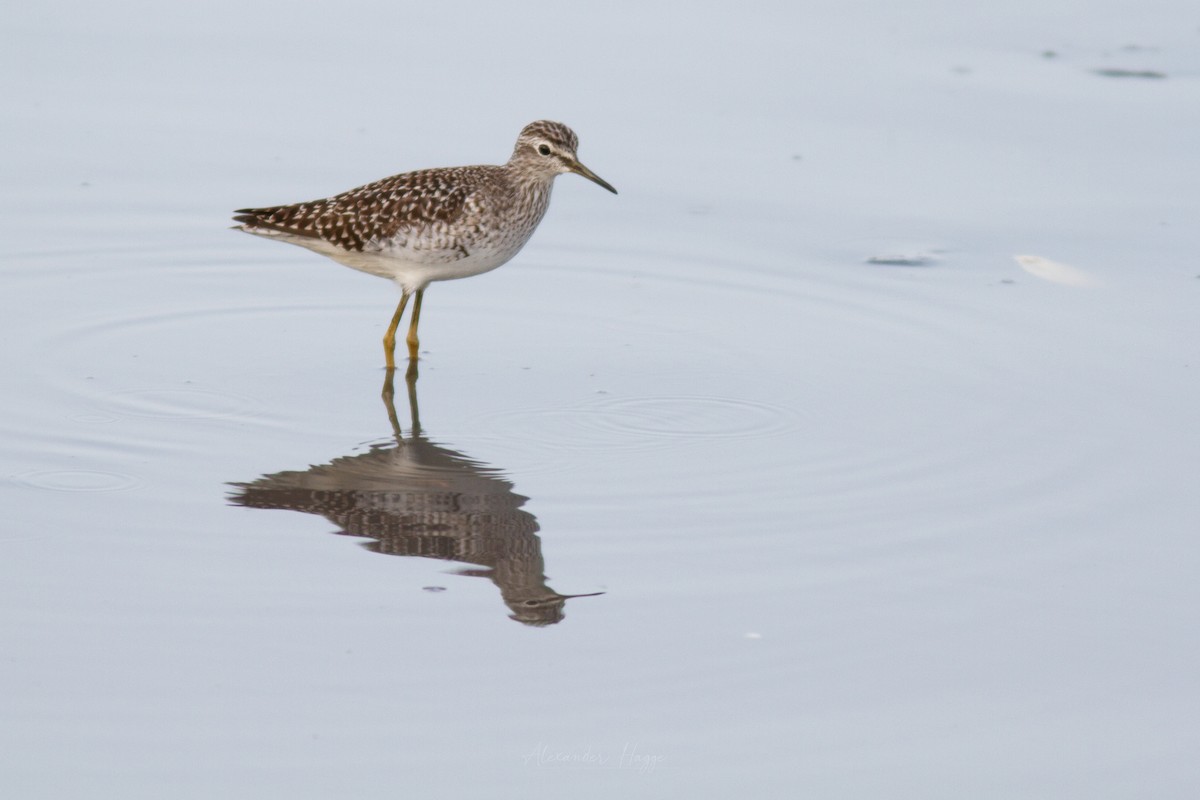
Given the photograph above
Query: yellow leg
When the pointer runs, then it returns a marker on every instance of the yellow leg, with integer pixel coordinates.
(412, 341)
(389, 338)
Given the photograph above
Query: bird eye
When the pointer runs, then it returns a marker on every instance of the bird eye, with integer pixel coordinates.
(544, 149)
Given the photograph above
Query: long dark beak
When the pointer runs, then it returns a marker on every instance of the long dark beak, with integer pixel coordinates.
(580, 169)
(590, 594)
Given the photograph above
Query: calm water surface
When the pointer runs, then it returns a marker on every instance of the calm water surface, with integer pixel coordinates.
(777, 470)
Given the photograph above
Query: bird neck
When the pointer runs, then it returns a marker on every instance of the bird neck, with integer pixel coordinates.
(532, 192)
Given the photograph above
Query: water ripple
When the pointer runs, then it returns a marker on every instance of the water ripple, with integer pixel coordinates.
(690, 417)
(77, 480)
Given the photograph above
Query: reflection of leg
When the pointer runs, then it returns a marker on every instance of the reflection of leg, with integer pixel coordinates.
(389, 338)
(412, 327)
(389, 394)
(410, 378)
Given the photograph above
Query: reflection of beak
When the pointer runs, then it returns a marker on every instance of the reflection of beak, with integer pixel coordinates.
(580, 169)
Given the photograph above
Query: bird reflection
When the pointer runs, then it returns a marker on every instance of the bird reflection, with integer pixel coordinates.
(416, 498)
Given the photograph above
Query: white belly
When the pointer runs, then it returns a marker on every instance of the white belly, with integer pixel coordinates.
(411, 268)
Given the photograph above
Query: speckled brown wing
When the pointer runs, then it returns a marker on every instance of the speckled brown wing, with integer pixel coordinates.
(404, 206)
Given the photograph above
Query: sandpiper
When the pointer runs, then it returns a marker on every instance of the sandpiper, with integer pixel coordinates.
(432, 224)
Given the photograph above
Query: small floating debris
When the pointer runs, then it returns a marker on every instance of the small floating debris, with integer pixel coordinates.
(433, 588)
(903, 260)
(1144, 74)
(1054, 271)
